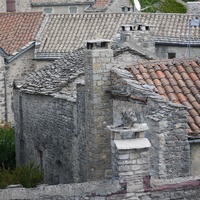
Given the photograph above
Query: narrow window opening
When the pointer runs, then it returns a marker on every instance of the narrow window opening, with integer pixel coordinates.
(39, 158)
(147, 28)
(139, 28)
(60, 171)
(171, 55)
(22, 152)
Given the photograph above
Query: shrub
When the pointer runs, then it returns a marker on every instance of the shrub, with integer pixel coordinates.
(27, 175)
(7, 147)
(172, 6)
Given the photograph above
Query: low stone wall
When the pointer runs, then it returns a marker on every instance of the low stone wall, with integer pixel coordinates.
(106, 190)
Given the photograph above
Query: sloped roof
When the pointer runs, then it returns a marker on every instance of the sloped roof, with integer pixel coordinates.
(177, 80)
(53, 77)
(58, 2)
(100, 4)
(18, 29)
(67, 32)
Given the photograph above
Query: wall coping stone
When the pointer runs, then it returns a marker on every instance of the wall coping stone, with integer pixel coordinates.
(138, 143)
(137, 128)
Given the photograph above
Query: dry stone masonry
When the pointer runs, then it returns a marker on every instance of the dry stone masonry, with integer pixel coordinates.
(98, 59)
(112, 137)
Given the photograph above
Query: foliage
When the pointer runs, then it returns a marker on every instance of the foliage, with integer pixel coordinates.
(172, 6)
(7, 147)
(163, 6)
(149, 5)
(26, 175)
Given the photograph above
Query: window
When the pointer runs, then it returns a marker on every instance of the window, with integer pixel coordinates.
(48, 10)
(171, 55)
(10, 5)
(39, 158)
(73, 9)
(123, 9)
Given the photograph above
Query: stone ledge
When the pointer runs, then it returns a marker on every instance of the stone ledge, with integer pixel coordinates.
(138, 143)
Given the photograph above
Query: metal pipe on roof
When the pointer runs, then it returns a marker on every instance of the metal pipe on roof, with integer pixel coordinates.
(5, 91)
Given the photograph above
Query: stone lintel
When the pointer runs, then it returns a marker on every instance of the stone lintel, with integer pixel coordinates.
(138, 143)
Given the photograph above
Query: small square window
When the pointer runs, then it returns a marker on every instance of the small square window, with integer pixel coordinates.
(123, 9)
(48, 10)
(171, 55)
(73, 9)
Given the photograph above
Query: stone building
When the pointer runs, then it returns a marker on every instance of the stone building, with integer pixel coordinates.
(17, 42)
(68, 103)
(132, 123)
(48, 7)
(62, 33)
(114, 6)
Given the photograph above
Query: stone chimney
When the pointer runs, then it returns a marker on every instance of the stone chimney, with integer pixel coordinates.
(139, 37)
(98, 59)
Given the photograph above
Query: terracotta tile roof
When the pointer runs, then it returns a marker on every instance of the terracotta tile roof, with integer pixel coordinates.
(101, 3)
(177, 80)
(18, 29)
(59, 2)
(63, 33)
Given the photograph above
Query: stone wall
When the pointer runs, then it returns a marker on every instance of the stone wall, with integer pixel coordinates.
(2, 93)
(194, 158)
(193, 7)
(181, 52)
(49, 136)
(24, 64)
(167, 122)
(117, 5)
(98, 108)
(3, 6)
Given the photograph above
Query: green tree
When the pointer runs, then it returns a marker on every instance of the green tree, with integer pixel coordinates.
(7, 147)
(172, 6)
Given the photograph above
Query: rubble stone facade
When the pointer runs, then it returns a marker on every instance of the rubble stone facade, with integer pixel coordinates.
(115, 131)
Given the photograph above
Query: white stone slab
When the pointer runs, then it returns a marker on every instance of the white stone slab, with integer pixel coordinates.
(138, 143)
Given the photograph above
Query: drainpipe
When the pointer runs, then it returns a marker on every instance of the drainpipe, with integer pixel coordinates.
(5, 91)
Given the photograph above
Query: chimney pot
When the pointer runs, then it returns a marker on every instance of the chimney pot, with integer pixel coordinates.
(99, 44)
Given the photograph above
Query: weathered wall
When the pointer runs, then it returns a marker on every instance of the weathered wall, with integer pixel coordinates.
(127, 58)
(58, 9)
(117, 5)
(98, 111)
(42, 63)
(48, 136)
(181, 52)
(3, 6)
(22, 65)
(2, 93)
(167, 122)
(193, 7)
(194, 158)
(139, 37)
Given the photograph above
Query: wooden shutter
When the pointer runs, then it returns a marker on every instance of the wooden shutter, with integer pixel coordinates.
(10, 5)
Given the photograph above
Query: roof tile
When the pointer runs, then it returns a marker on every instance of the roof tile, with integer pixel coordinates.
(179, 82)
(18, 29)
(86, 26)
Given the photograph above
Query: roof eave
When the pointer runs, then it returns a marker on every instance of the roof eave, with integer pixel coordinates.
(11, 58)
